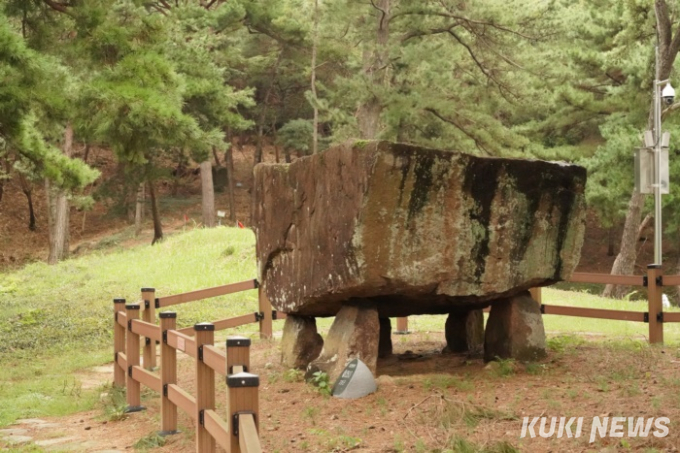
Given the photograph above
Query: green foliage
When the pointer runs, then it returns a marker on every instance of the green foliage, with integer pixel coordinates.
(113, 404)
(293, 375)
(150, 441)
(297, 135)
(503, 367)
(321, 381)
(33, 99)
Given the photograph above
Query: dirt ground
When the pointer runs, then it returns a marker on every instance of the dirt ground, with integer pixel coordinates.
(426, 401)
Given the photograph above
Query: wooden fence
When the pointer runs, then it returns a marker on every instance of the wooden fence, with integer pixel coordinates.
(236, 433)
(654, 281)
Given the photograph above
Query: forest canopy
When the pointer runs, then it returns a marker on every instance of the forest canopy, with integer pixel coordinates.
(159, 80)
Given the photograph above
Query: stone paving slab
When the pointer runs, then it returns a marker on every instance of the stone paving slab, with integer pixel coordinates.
(57, 441)
(29, 421)
(12, 431)
(17, 440)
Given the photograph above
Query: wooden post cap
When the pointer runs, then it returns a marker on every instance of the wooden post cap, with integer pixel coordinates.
(118, 301)
(167, 315)
(204, 327)
(654, 266)
(243, 380)
(132, 307)
(238, 341)
(148, 290)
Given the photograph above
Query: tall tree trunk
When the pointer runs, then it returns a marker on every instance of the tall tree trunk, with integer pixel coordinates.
(230, 181)
(31, 210)
(139, 210)
(277, 153)
(51, 202)
(208, 194)
(625, 260)
(668, 51)
(27, 189)
(263, 113)
(4, 173)
(315, 122)
(157, 227)
(610, 241)
(217, 159)
(86, 156)
(375, 67)
(58, 205)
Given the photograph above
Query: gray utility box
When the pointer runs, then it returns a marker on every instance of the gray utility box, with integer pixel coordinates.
(644, 166)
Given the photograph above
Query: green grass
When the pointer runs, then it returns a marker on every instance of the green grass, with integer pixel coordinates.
(55, 320)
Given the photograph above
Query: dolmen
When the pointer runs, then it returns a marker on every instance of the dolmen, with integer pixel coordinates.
(370, 230)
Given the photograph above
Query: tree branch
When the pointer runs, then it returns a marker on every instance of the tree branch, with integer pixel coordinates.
(61, 7)
(452, 122)
(472, 54)
(159, 9)
(384, 14)
(460, 18)
(643, 224)
(433, 31)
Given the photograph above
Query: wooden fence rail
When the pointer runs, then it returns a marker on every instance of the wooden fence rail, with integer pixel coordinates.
(238, 431)
(264, 316)
(654, 316)
(242, 393)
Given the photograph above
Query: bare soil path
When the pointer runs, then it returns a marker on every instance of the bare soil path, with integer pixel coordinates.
(426, 402)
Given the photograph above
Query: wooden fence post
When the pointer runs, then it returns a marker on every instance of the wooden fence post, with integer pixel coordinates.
(402, 325)
(168, 374)
(238, 354)
(118, 343)
(536, 294)
(149, 315)
(265, 307)
(133, 392)
(242, 401)
(205, 387)
(655, 305)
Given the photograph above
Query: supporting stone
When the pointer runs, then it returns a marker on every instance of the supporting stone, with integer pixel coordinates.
(354, 334)
(465, 332)
(385, 341)
(301, 342)
(515, 330)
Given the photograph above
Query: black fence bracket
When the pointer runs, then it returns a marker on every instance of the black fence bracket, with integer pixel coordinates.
(234, 420)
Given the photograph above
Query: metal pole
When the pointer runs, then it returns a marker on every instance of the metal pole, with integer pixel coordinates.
(657, 165)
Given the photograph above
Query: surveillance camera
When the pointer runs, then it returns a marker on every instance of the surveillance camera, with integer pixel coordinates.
(668, 94)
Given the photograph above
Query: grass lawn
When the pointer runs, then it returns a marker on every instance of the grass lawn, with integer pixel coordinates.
(55, 320)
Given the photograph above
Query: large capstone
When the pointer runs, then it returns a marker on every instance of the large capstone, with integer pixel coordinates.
(415, 230)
